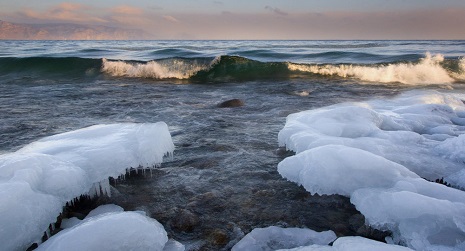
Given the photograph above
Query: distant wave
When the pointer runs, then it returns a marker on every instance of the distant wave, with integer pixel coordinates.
(67, 66)
(429, 70)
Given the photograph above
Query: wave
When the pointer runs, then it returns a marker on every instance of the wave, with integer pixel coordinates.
(68, 66)
(219, 69)
(431, 69)
(166, 69)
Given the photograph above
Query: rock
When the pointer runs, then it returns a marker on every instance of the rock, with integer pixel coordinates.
(231, 103)
(356, 222)
(218, 237)
(185, 221)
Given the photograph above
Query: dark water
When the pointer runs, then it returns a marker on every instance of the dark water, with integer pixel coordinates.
(222, 181)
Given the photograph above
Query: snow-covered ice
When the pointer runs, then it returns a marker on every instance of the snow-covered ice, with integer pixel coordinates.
(352, 243)
(423, 131)
(377, 153)
(272, 238)
(38, 180)
(110, 231)
(108, 208)
(108, 150)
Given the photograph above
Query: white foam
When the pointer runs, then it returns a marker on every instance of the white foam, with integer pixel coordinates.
(427, 71)
(177, 69)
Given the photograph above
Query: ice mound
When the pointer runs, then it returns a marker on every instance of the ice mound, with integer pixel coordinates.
(423, 131)
(352, 244)
(272, 238)
(108, 150)
(315, 170)
(110, 231)
(376, 153)
(103, 209)
(38, 180)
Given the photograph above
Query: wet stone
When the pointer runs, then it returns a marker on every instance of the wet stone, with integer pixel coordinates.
(185, 221)
(218, 237)
(231, 103)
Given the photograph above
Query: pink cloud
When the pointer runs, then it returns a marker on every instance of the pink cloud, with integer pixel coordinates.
(127, 10)
(67, 12)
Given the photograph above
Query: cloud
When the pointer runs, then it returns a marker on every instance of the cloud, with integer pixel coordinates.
(127, 16)
(64, 12)
(68, 7)
(276, 11)
(127, 10)
(171, 19)
(407, 24)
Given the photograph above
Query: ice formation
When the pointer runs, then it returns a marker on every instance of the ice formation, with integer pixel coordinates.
(352, 244)
(272, 238)
(37, 180)
(108, 208)
(110, 231)
(378, 153)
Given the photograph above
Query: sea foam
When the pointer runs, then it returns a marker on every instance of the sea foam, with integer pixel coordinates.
(427, 71)
(170, 69)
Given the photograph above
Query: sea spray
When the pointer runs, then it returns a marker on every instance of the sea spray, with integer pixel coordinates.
(168, 69)
(427, 71)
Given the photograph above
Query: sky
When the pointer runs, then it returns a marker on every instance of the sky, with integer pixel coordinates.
(254, 19)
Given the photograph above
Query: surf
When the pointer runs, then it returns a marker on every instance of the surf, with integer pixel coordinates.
(432, 69)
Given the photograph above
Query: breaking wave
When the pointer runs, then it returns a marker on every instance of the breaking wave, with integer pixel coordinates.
(167, 69)
(219, 69)
(429, 70)
(432, 69)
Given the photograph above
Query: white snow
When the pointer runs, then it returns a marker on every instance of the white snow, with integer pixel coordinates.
(173, 245)
(376, 151)
(108, 150)
(110, 231)
(272, 238)
(352, 244)
(38, 180)
(315, 170)
(70, 222)
(103, 209)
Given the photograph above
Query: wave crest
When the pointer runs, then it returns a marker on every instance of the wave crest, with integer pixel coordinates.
(167, 69)
(427, 71)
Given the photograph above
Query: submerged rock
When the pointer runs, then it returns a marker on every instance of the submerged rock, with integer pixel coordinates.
(185, 221)
(231, 103)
